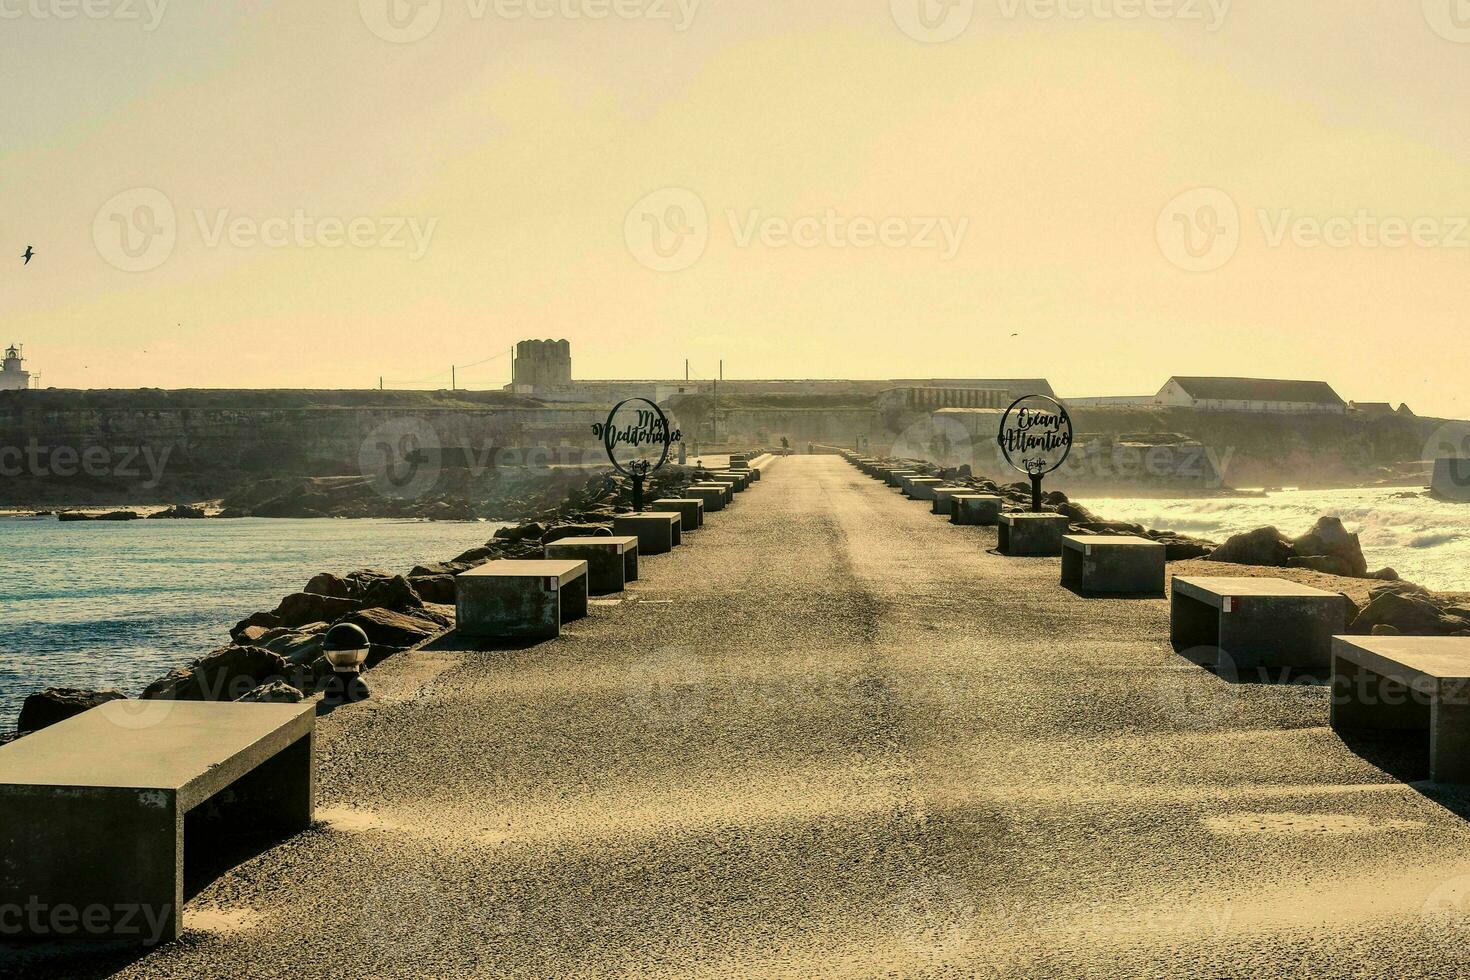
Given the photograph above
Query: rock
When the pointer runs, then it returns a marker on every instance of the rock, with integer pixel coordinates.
(577, 531)
(60, 703)
(276, 692)
(120, 515)
(434, 588)
(1184, 549)
(295, 647)
(263, 620)
(1387, 574)
(1329, 537)
(1410, 615)
(392, 593)
(1077, 513)
(179, 512)
(329, 585)
(1330, 564)
(1265, 546)
(301, 608)
(252, 635)
(362, 580)
(476, 557)
(224, 675)
(1383, 629)
(385, 627)
(523, 532)
(437, 568)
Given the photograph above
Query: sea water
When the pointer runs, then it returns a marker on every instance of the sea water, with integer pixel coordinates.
(1423, 539)
(100, 604)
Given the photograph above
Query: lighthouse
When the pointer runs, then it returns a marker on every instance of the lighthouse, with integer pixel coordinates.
(13, 376)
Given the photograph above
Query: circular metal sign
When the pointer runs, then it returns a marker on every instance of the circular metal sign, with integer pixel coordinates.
(1036, 435)
(637, 437)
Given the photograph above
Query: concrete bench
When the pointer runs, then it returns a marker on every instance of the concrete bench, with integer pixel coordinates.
(1031, 535)
(520, 600)
(737, 484)
(611, 562)
(712, 497)
(976, 509)
(743, 478)
(1257, 622)
(94, 810)
(944, 499)
(657, 533)
(921, 487)
(692, 510)
(1407, 683)
(895, 478)
(725, 487)
(1118, 564)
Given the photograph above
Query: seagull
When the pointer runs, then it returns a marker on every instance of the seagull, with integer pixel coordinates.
(30, 253)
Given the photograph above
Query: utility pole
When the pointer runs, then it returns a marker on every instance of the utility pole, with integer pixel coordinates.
(715, 418)
(453, 378)
(380, 382)
(686, 369)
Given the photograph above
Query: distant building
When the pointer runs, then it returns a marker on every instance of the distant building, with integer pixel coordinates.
(1374, 409)
(1112, 401)
(937, 398)
(13, 376)
(1251, 395)
(1018, 387)
(542, 364)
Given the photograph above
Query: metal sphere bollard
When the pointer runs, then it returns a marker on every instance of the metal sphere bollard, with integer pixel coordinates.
(346, 648)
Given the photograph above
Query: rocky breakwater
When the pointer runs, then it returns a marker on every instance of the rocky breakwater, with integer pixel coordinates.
(276, 655)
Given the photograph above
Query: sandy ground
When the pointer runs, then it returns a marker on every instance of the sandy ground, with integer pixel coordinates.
(836, 736)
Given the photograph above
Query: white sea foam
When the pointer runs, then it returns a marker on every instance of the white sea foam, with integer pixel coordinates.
(1426, 540)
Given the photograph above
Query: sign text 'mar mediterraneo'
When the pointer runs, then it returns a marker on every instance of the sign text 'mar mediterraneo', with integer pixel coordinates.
(637, 437)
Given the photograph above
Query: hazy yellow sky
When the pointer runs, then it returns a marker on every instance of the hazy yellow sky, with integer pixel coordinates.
(317, 194)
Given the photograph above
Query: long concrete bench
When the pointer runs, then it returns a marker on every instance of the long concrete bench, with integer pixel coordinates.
(94, 810)
(944, 499)
(735, 482)
(1257, 622)
(692, 510)
(712, 497)
(1407, 683)
(612, 562)
(895, 478)
(1119, 565)
(976, 509)
(1028, 535)
(520, 600)
(657, 533)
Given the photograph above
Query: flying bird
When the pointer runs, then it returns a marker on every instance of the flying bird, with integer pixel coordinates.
(30, 253)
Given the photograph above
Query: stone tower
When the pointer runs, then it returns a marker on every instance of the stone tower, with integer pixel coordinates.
(13, 376)
(543, 363)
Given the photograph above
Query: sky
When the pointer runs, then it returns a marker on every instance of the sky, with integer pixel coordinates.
(1101, 192)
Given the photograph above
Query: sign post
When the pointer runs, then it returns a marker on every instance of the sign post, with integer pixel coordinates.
(637, 437)
(1036, 437)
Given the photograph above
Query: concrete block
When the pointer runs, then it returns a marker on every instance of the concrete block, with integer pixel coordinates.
(976, 509)
(657, 533)
(611, 562)
(896, 477)
(713, 498)
(691, 510)
(1120, 564)
(520, 600)
(1030, 535)
(921, 487)
(944, 499)
(1407, 683)
(93, 809)
(1257, 622)
(737, 484)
